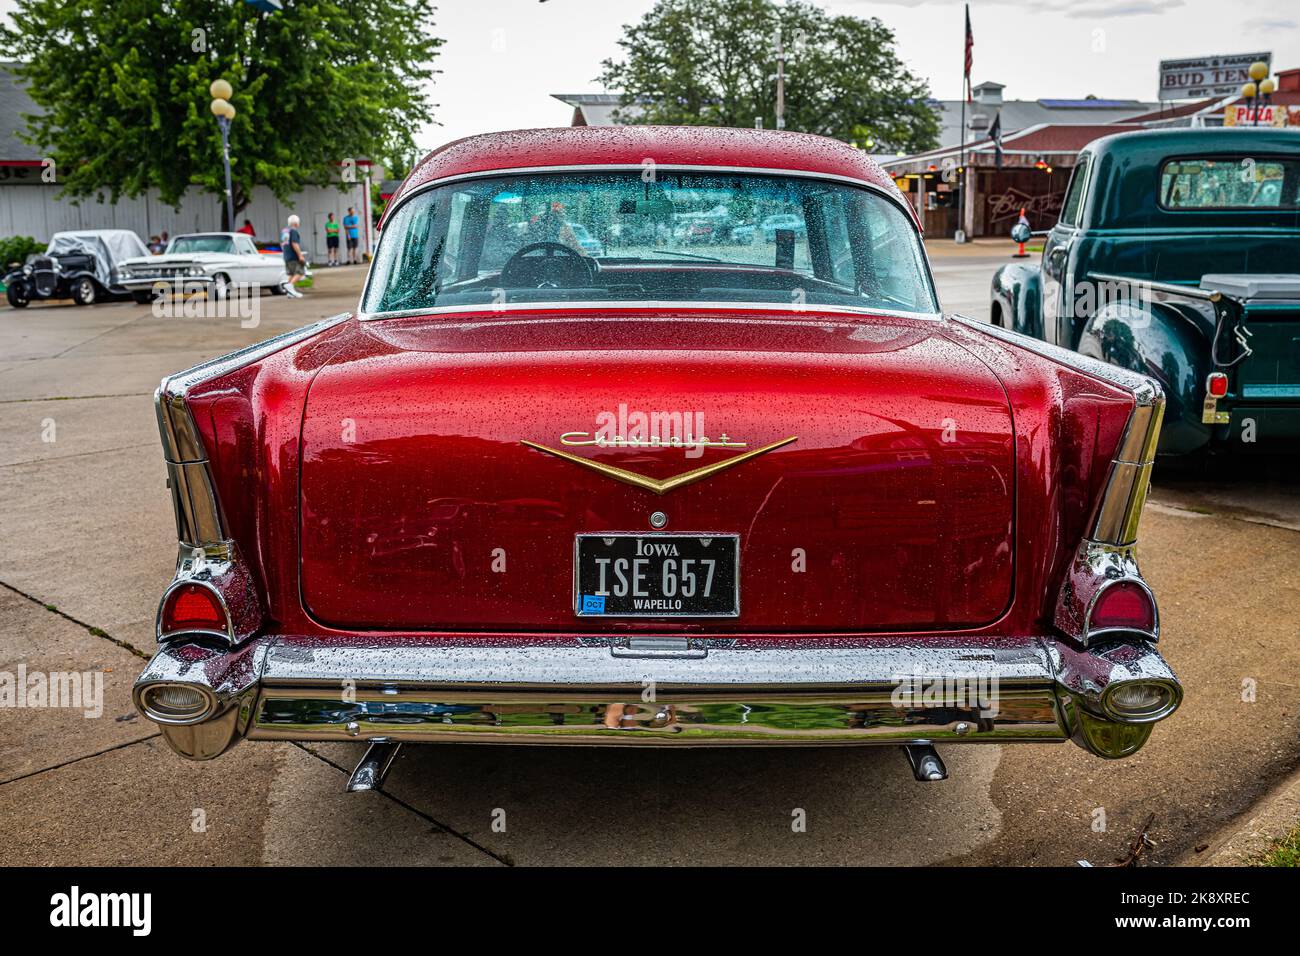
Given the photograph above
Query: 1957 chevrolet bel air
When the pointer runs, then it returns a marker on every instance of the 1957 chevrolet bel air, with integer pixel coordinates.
(762, 492)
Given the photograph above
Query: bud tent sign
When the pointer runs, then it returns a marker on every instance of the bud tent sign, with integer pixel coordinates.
(1207, 76)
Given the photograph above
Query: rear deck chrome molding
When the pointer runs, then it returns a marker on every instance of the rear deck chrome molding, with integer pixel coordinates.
(410, 689)
(178, 384)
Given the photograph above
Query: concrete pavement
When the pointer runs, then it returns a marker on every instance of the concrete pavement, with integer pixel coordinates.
(88, 545)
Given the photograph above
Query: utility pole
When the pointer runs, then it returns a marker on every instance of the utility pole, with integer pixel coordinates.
(780, 81)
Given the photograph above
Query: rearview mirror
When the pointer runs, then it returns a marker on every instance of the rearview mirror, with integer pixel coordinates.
(646, 207)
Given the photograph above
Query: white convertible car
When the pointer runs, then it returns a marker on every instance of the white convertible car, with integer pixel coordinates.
(215, 261)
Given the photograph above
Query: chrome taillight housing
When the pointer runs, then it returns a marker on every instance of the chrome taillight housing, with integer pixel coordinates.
(212, 594)
(1120, 509)
(1103, 596)
(194, 607)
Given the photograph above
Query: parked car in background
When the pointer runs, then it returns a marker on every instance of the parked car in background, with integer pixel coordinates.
(214, 261)
(1176, 256)
(590, 245)
(783, 222)
(743, 479)
(744, 234)
(81, 265)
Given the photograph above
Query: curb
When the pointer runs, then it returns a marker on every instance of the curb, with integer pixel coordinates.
(1252, 833)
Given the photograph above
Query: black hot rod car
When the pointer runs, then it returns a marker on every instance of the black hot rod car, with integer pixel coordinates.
(81, 266)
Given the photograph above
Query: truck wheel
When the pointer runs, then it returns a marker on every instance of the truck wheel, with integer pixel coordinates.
(83, 291)
(17, 295)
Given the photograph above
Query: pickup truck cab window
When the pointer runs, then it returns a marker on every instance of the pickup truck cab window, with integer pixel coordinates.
(1072, 208)
(611, 236)
(1230, 182)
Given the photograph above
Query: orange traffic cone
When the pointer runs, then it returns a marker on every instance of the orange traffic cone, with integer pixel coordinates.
(1024, 221)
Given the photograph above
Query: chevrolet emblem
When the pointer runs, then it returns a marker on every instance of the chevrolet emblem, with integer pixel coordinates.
(660, 486)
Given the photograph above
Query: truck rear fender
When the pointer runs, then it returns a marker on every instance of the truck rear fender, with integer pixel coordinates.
(1161, 340)
(1016, 299)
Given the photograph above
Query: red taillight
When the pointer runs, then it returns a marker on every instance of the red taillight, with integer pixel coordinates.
(192, 607)
(1217, 384)
(1124, 604)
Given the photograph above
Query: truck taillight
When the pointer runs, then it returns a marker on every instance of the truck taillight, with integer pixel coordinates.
(1216, 384)
(192, 607)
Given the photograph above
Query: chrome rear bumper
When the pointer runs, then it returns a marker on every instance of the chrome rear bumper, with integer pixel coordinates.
(653, 692)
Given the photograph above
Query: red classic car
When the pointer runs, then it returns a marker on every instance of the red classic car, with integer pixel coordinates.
(542, 489)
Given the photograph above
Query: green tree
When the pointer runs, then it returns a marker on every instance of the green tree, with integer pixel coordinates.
(708, 63)
(124, 89)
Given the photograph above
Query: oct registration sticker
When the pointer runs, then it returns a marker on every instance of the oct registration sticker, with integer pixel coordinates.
(656, 575)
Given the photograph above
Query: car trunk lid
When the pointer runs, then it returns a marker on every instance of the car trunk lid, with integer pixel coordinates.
(422, 508)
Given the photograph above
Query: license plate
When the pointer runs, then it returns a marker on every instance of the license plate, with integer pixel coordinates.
(656, 575)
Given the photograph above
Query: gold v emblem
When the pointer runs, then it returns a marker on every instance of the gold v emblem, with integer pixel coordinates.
(654, 484)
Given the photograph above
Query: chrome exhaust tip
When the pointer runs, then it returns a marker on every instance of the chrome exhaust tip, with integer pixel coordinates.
(374, 766)
(925, 763)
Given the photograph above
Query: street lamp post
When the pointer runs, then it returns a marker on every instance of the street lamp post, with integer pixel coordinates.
(1258, 91)
(779, 52)
(224, 111)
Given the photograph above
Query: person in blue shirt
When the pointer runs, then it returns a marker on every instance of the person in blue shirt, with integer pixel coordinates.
(352, 230)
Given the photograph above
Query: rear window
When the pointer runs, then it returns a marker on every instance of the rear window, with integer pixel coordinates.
(1230, 182)
(631, 238)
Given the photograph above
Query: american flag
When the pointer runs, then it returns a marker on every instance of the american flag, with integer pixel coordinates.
(970, 52)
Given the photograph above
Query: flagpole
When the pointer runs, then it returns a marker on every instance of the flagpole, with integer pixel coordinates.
(961, 216)
(961, 133)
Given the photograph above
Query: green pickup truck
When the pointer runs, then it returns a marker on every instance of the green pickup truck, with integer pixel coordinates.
(1177, 255)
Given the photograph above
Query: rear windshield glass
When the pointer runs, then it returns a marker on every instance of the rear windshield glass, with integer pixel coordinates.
(1233, 182)
(640, 237)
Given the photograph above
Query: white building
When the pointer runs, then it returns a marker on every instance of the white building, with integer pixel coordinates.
(29, 206)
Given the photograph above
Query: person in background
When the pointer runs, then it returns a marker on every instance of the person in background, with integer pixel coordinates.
(295, 263)
(247, 228)
(155, 246)
(164, 240)
(332, 239)
(352, 227)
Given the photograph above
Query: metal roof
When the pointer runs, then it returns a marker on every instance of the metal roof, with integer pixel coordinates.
(14, 102)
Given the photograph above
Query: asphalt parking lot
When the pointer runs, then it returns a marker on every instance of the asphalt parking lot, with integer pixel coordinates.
(88, 544)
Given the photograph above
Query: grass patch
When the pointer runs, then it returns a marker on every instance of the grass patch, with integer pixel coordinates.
(1285, 852)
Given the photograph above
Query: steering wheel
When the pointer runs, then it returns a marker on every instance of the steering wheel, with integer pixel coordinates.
(566, 260)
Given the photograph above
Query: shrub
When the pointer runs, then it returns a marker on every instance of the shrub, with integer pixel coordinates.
(18, 248)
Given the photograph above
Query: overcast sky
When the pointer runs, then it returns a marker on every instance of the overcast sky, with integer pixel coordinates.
(503, 57)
